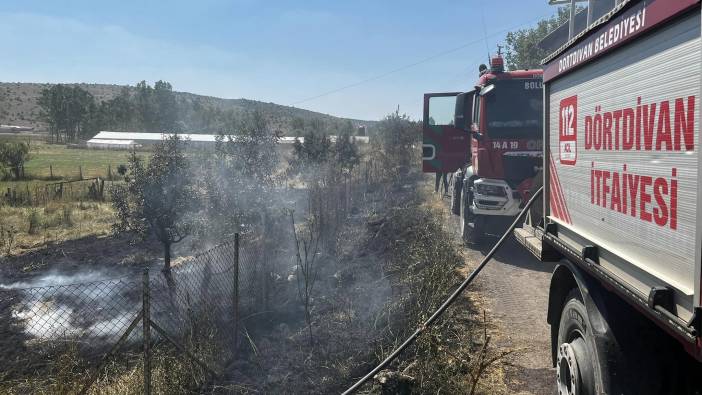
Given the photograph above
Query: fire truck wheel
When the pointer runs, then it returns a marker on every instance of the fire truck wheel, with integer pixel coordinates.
(575, 363)
(472, 228)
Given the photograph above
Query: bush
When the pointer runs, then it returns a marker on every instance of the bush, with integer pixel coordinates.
(67, 216)
(34, 220)
(399, 137)
(13, 155)
(7, 238)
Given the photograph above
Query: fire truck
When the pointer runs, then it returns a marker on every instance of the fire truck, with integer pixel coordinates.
(620, 213)
(490, 140)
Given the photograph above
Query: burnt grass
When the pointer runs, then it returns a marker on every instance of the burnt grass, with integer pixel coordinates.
(391, 265)
(394, 266)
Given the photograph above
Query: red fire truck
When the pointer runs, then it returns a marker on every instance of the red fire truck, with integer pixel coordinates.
(490, 138)
(621, 205)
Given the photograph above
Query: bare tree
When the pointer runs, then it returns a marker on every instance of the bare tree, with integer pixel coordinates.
(307, 252)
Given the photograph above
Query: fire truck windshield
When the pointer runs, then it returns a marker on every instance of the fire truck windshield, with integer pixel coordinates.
(514, 109)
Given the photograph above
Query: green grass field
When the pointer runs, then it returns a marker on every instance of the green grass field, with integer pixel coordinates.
(67, 163)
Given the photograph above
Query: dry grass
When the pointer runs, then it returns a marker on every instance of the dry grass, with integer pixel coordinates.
(455, 355)
(34, 227)
(171, 374)
(395, 266)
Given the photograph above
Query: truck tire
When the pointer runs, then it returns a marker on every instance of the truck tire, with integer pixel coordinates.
(575, 361)
(472, 226)
(473, 229)
(456, 189)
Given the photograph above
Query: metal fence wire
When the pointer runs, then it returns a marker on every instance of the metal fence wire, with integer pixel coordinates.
(62, 338)
(36, 195)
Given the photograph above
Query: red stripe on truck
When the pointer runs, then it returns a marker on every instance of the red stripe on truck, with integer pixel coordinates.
(558, 201)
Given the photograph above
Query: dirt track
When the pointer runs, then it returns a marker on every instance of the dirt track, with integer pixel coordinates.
(513, 291)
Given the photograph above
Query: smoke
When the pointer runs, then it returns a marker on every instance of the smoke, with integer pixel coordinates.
(56, 278)
(78, 305)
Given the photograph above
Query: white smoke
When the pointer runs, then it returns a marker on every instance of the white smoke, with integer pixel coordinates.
(74, 305)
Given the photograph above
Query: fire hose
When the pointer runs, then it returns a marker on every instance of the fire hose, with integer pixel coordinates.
(423, 327)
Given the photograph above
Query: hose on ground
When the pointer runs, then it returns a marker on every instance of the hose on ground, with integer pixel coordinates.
(448, 301)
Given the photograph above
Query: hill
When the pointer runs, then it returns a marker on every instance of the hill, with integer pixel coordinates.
(18, 106)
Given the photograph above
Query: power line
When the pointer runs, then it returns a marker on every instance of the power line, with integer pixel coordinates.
(485, 35)
(410, 65)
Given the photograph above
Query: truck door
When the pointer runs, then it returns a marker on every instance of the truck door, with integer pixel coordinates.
(445, 148)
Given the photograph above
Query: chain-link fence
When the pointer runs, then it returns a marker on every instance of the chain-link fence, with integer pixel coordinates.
(80, 336)
(176, 330)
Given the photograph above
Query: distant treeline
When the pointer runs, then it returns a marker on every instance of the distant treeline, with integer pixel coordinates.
(73, 113)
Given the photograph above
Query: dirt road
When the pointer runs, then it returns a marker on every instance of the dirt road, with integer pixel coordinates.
(513, 291)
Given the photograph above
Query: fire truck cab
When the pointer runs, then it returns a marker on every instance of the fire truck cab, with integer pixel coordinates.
(493, 165)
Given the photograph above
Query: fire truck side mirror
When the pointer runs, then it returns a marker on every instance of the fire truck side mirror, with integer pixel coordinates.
(487, 89)
(462, 114)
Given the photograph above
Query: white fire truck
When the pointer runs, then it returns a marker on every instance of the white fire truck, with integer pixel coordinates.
(620, 211)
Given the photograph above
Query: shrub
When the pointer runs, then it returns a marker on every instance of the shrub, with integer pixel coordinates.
(34, 220)
(67, 216)
(13, 155)
(7, 238)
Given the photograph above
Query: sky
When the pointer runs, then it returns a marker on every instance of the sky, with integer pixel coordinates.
(374, 55)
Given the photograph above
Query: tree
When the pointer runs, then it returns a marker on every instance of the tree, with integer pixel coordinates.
(398, 136)
(310, 154)
(317, 125)
(160, 197)
(165, 107)
(244, 168)
(144, 107)
(346, 153)
(13, 155)
(298, 125)
(521, 50)
(250, 147)
(121, 111)
(66, 109)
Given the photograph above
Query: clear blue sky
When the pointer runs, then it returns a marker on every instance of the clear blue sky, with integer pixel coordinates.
(277, 51)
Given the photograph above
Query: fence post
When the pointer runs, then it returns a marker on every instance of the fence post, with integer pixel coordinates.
(146, 325)
(236, 290)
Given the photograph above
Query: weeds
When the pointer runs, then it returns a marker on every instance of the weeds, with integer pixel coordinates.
(34, 227)
(7, 238)
(452, 356)
(67, 216)
(34, 220)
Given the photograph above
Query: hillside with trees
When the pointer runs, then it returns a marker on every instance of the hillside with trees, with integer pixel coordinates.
(74, 111)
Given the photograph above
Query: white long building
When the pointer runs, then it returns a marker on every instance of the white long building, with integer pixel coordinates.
(128, 140)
